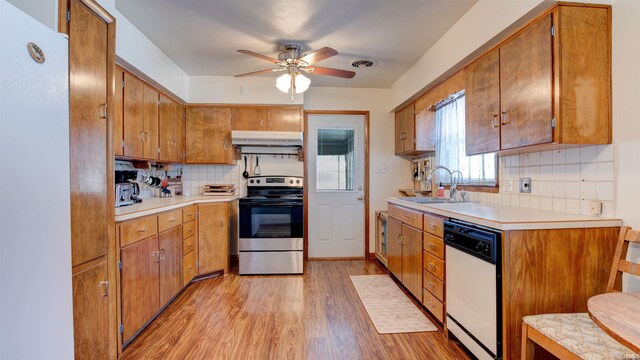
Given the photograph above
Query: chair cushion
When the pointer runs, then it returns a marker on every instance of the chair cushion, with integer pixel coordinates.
(578, 334)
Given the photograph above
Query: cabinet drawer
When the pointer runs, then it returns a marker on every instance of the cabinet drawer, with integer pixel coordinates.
(407, 216)
(138, 229)
(188, 213)
(434, 245)
(434, 265)
(434, 305)
(188, 245)
(433, 285)
(189, 229)
(169, 219)
(433, 224)
(189, 267)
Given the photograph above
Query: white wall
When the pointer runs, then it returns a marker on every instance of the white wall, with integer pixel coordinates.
(230, 90)
(45, 11)
(136, 49)
(626, 124)
(381, 137)
(36, 311)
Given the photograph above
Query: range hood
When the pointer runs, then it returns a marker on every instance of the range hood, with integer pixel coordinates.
(266, 138)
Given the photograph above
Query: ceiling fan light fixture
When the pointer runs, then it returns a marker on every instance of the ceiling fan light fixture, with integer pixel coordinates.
(302, 83)
(283, 83)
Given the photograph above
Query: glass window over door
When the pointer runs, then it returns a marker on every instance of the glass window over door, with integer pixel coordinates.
(335, 159)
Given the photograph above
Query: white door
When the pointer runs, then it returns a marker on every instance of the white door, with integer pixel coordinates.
(335, 185)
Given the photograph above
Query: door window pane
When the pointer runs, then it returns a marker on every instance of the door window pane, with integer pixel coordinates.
(335, 160)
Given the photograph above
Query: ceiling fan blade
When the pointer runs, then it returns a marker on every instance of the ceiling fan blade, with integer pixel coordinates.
(331, 72)
(259, 56)
(319, 55)
(256, 73)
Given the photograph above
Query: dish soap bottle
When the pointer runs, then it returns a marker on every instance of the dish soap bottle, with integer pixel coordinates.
(440, 191)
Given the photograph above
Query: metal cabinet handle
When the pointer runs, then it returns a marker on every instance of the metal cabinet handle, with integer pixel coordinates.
(142, 230)
(494, 120)
(141, 135)
(162, 254)
(102, 111)
(172, 220)
(432, 226)
(432, 246)
(269, 124)
(261, 123)
(104, 284)
(431, 285)
(504, 118)
(431, 266)
(224, 145)
(156, 256)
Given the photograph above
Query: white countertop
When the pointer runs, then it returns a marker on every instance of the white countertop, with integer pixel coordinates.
(157, 205)
(510, 217)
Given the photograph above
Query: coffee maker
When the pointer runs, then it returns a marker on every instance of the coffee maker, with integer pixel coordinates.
(127, 190)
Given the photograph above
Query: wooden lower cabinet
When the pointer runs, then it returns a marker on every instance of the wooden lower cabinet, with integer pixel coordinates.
(91, 312)
(213, 237)
(171, 281)
(189, 265)
(405, 252)
(140, 284)
(412, 260)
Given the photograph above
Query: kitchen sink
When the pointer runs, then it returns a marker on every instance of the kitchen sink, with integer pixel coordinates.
(425, 200)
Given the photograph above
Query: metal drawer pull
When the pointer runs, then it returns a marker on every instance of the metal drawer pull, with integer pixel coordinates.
(431, 285)
(172, 220)
(432, 226)
(431, 266)
(505, 118)
(142, 230)
(162, 254)
(493, 121)
(432, 246)
(156, 256)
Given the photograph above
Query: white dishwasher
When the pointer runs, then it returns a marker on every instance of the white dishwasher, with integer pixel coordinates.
(474, 287)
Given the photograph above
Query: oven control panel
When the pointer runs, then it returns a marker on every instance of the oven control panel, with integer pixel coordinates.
(275, 181)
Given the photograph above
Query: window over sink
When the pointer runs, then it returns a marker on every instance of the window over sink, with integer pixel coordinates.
(450, 145)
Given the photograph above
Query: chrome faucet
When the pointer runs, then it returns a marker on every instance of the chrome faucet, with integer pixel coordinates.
(454, 186)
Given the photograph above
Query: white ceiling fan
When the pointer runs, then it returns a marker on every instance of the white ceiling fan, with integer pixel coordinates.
(291, 62)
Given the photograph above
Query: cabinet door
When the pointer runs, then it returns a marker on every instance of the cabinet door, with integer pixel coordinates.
(526, 80)
(399, 133)
(285, 118)
(118, 114)
(213, 238)
(178, 133)
(170, 243)
(482, 98)
(88, 132)
(412, 260)
(394, 246)
(426, 130)
(132, 118)
(150, 116)
(139, 284)
(208, 136)
(249, 119)
(408, 125)
(91, 312)
(166, 128)
(189, 266)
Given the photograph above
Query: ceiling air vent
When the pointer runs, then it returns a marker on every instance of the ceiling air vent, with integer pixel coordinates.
(363, 63)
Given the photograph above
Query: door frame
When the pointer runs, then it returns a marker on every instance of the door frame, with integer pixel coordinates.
(366, 177)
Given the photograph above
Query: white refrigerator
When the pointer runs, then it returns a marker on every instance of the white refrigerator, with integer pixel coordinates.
(36, 310)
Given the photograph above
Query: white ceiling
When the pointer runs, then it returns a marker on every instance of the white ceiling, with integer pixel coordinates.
(202, 36)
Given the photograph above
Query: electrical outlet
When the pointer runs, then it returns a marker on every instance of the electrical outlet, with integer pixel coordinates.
(525, 185)
(382, 169)
(595, 207)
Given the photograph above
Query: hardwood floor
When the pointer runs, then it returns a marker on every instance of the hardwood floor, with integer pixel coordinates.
(314, 316)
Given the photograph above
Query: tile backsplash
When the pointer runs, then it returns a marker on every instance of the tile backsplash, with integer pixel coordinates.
(565, 179)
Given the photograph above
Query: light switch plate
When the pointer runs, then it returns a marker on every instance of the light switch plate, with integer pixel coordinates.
(382, 169)
(525, 185)
(595, 207)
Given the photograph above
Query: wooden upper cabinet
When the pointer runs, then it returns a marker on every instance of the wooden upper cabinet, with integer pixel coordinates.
(285, 118)
(118, 114)
(139, 284)
(170, 263)
(249, 118)
(482, 102)
(208, 136)
(526, 86)
(405, 130)
(213, 237)
(150, 126)
(132, 117)
(170, 129)
(91, 312)
(399, 133)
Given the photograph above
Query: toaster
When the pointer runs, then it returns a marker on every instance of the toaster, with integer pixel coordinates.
(124, 194)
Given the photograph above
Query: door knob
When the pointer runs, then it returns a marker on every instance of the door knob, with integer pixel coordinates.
(360, 197)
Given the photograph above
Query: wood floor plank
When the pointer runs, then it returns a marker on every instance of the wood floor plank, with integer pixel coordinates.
(314, 316)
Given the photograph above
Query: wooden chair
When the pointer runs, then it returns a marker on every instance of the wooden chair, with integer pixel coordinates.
(575, 336)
